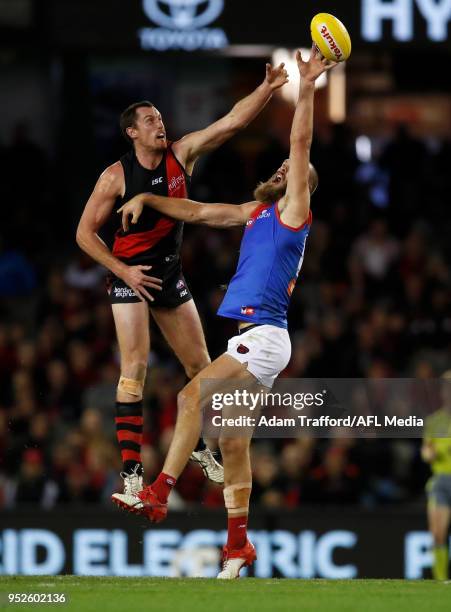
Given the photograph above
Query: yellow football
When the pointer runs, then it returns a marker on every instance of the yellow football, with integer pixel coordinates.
(331, 37)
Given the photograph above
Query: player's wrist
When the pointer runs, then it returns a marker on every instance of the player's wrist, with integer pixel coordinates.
(145, 198)
(267, 88)
(308, 82)
(119, 268)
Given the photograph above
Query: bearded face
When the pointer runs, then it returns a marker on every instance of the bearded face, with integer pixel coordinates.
(274, 188)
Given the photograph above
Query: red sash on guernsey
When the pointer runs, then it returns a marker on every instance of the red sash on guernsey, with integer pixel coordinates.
(132, 244)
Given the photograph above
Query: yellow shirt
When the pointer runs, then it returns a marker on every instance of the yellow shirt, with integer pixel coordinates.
(439, 424)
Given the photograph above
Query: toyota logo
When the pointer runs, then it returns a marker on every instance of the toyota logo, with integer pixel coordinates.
(183, 14)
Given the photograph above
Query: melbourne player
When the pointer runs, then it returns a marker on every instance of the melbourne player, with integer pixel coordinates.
(272, 250)
(437, 452)
(145, 260)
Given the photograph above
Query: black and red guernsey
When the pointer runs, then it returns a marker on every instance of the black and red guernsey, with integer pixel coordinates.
(154, 236)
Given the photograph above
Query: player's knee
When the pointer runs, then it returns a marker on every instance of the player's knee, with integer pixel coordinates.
(197, 364)
(233, 447)
(132, 379)
(187, 401)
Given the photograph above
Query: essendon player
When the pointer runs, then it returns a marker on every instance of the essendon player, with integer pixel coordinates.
(145, 261)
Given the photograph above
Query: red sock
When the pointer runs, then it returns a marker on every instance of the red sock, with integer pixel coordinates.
(236, 531)
(163, 485)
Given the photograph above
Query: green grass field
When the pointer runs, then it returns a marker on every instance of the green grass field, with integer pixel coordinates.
(248, 594)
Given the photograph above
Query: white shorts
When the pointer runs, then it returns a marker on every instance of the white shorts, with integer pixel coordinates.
(266, 349)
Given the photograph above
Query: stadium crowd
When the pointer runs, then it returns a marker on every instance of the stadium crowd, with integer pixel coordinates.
(373, 300)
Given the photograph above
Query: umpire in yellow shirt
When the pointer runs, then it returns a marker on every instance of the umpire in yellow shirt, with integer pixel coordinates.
(437, 452)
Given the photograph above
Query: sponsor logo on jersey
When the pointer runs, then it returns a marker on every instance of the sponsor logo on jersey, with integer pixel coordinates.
(123, 292)
(176, 182)
(248, 311)
(157, 181)
(183, 293)
(265, 214)
(242, 349)
(180, 284)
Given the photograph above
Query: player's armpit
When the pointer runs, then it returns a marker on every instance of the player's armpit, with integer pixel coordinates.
(295, 211)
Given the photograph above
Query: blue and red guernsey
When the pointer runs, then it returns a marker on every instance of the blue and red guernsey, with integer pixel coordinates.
(271, 257)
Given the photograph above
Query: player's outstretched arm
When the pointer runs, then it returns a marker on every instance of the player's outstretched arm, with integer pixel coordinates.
(191, 146)
(294, 207)
(214, 215)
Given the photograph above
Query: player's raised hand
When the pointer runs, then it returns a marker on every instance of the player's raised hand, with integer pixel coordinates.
(133, 208)
(315, 66)
(276, 77)
(136, 279)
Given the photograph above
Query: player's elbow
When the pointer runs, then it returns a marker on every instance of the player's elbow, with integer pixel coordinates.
(81, 236)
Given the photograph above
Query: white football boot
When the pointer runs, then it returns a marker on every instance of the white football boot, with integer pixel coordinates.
(133, 484)
(210, 467)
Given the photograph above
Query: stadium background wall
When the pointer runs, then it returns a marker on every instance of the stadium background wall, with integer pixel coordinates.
(72, 24)
(305, 544)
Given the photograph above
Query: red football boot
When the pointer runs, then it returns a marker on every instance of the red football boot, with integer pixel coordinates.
(144, 503)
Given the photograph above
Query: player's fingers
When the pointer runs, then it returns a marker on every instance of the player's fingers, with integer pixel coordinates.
(299, 56)
(135, 217)
(150, 279)
(146, 293)
(152, 284)
(138, 293)
(125, 222)
(144, 267)
(331, 65)
(314, 50)
(268, 69)
(120, 209)
(282, 65)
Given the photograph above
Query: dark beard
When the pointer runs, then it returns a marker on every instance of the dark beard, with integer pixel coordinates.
(269, 192)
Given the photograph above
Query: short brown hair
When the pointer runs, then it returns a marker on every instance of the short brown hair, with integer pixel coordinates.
(128, 117)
